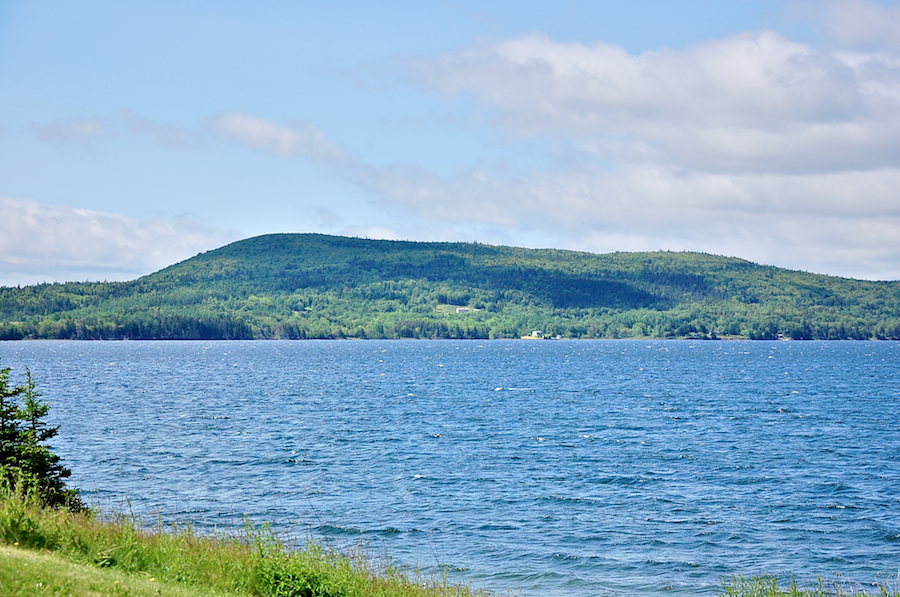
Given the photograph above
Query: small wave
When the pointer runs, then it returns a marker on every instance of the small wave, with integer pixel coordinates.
(566, 556)
(752, 480)
(302, 461)
(622, 480)
(673, 563)
(330, 529)
(569, 500)
(497, 527)
(451, 568)
(191, 511)
(833, 488)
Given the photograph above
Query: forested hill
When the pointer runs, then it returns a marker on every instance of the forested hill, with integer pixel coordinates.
(318, 286)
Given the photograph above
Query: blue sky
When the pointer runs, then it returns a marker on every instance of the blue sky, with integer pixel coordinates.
(135, 135)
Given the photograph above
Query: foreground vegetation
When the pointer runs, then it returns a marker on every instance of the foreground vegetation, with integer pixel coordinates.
(26, 461)
(29, 573)
(317, 286)
(82, 554)
(768, 587)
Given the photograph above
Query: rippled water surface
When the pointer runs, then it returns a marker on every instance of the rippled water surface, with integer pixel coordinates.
(546, 467)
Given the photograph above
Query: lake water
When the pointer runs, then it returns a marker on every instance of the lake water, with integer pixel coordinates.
(563, 468)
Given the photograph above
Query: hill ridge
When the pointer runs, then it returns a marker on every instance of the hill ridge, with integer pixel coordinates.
(322, 286)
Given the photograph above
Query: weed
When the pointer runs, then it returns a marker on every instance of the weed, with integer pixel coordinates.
(767, 586)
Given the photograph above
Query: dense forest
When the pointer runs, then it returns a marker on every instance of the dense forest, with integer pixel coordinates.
(318, 286)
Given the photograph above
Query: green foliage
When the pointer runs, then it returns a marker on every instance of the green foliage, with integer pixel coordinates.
(317, 286)
(767, 586)
(252, 563)
(26, 461)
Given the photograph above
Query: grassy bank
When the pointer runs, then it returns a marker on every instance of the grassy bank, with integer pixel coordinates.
(81, 554)
(47, 552)
(28, 573)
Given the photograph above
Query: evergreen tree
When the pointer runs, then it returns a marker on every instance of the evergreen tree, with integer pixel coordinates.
(26, 461)
(9, 420)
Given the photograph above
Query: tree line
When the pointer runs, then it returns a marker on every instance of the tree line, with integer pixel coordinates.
(317, 286)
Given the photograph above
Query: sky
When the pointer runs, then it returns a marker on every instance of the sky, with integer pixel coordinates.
(134, 135)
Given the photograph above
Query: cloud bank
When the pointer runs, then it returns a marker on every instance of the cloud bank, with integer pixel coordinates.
(862, 24)
(752, 145)
(49, 243)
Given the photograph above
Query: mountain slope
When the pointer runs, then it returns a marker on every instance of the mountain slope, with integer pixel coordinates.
(318, 286)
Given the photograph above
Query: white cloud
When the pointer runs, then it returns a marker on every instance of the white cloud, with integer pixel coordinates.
(749, 102)
(299, 139)
(844, 223)
(863, 24)
(590, 197)
(47, 243)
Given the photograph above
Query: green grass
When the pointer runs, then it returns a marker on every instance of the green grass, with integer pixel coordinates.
(83, 554)
(768, 586)
(28, 573)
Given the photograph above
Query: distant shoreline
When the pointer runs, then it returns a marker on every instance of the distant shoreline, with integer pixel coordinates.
(314, 286)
